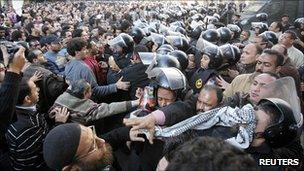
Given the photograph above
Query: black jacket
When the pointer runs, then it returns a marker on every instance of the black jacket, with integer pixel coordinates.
(144, 158)
(179, 110)
(8, 98)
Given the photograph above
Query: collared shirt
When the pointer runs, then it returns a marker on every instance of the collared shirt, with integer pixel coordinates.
(296, 56)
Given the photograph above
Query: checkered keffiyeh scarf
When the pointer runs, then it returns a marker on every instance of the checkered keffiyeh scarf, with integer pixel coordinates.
(244, 118)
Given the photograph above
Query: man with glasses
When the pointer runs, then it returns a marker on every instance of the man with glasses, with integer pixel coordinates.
(75, 147)
(295, 55)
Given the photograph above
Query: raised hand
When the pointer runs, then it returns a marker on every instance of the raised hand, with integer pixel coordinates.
(122, 85)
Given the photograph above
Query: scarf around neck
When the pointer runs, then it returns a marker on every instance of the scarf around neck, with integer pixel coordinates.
(243, 117)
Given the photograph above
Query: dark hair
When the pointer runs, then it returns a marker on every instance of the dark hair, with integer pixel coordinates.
(77, 33)
(278, 55)
(108, 34)
(258, 48)
(24, 90)
(63, 33)
(279, 25)
(219, 92)
(207, 153)
(29, 27)
(45, 29)
(76, 44)
(265, 39)
(16, 35)
(270, 110)
(293, 35)
(32, 55)
(248, 32)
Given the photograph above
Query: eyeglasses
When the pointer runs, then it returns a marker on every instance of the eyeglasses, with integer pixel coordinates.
(92, 148)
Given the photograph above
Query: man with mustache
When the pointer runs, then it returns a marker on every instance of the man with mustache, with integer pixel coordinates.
(76, 147)
(268, 61)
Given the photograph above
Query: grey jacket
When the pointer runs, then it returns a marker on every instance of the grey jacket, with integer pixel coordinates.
(77, 69)
(85, 110)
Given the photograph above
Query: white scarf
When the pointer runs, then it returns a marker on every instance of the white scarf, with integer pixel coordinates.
(244, 118)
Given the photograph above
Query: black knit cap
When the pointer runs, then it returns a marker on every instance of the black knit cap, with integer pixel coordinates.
(60, 145)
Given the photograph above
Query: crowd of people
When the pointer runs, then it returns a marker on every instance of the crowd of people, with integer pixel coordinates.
(115, 85)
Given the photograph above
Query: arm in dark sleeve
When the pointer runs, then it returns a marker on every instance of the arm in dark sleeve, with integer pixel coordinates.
(100, 91)
(179, 111)
(9, 92)
(293, 150)
(8, 96)
(117, 136)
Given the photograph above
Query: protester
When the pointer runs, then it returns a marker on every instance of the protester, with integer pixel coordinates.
(187, 57)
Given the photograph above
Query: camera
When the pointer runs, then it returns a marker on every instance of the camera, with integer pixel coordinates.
(11, 47)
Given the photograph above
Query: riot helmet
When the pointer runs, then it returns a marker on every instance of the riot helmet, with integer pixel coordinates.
(215, 56)
(158, 39)
(165, 49)
(236, 30)
(299, 23)
(181, 57)
(231, 54)
(262, 17)
(270, 36)
(211, 35)
(124, 42)
(146, 57)
(260, 26)
(181, 30)
(284, 129)
(196, 32)
(165, 61)
(137, 34)
(181, 43)
(170, 78)
(225, 34)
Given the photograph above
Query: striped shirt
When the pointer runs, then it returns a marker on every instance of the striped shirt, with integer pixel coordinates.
(25, 140)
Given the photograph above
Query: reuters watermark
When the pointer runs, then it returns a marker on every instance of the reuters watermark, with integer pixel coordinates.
(279, 162)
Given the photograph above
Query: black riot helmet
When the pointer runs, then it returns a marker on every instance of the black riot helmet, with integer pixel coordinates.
(123, 41)
(165, 49)
(137, 34)
(197, 17)
(270, 36)
(225, 34)
(181, 57)
(260, 26)
(157, 39)
(146, 57)
(169, 78)
(196, 32)
(166, 61)
(283, 128)
(181, 30)
(299, 23)
(236, 30)
(262, 17)
(231, 54)
(215, 56)
(211, 35)
(179, 42)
